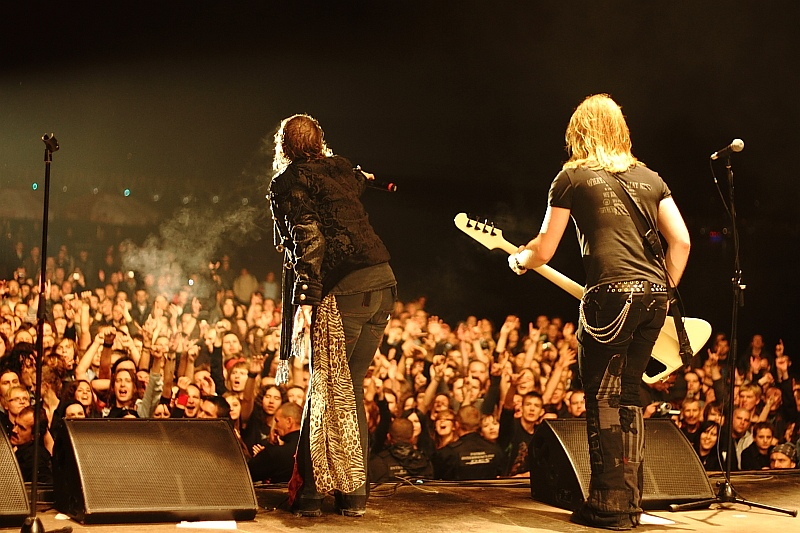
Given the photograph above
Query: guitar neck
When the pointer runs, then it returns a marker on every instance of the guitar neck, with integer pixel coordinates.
(549, 274)
(561, 280)
(666, 348)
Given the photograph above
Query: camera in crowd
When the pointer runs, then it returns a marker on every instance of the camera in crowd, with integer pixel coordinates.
(665, 410)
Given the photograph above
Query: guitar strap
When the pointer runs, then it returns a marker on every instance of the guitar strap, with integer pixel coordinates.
(652, 242)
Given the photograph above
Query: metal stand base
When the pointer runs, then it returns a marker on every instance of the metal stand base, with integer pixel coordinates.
(32, 524)
(727, 494)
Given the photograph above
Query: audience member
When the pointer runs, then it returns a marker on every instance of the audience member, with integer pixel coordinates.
(516, 433)
(577, 404)
(400, 459)
(273, 462)
(8, 379)
(198, 352)
(490, 428)
(16, 399)
(740, 433)
(22, 442)
(707, 446)
(214, 407)
(757, 455)
(470, 457)
(783, 456)
(691, 417)
(445, 428)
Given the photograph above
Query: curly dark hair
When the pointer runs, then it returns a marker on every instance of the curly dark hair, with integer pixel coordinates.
(299, 138)
(15, 359)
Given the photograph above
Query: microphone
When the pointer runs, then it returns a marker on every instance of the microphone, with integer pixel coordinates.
(377, 183)
(736, 146)
(383, 185)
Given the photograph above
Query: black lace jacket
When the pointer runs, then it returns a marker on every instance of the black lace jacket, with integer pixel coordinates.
(323, 225)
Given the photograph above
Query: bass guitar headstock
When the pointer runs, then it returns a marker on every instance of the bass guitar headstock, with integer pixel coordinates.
(483, 231)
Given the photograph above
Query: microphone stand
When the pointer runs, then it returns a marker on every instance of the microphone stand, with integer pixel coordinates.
(32, 524)
(726, 493)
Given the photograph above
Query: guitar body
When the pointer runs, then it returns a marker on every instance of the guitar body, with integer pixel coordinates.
(666, 352)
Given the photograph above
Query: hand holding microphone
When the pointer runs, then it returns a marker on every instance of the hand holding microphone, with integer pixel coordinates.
(375, 183)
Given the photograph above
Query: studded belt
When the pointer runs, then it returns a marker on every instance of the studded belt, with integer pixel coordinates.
(638, 286)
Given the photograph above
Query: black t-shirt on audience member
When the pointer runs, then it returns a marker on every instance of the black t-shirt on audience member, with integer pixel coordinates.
(24, 455)
(275, 463)
(470, 457)
(514, 441)
(752, 460)
(399, 460)
(694, 438)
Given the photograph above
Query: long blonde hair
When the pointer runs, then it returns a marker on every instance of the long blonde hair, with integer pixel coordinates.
(299, 137)
(598, 137)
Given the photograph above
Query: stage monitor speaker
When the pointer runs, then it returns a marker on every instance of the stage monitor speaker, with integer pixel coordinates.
(560, 470)
(14, 506)
(151, 470)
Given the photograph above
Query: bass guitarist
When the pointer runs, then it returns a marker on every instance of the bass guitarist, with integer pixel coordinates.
(625, 301)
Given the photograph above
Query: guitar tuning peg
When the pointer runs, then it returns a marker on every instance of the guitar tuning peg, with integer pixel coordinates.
(485, 223)
(492, 230)
(469, 221)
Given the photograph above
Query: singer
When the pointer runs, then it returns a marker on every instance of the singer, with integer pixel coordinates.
(338, 287)
(625, 300)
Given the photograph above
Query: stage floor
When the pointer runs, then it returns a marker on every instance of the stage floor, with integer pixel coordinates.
(489, 508)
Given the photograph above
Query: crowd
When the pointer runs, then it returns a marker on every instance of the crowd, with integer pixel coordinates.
(443, 401)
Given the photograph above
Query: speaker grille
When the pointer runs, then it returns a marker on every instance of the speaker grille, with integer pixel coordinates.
(161, 466)
(673, 473)
(14, 500)
(560, 469)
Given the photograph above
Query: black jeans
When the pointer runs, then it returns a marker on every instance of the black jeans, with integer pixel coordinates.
(611, 374)
(364, 318)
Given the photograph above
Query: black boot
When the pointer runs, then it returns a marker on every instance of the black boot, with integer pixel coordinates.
(586, 516)
(307, 507)
(352, 505)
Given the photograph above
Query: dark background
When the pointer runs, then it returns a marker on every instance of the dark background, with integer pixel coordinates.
(463, 104)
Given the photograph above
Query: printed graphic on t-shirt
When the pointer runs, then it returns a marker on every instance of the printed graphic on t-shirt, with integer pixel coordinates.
(476, 458)
(398, 471)
(520, 463)
(612, 205)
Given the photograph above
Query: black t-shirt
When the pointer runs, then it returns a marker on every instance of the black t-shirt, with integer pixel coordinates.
(711, 462)
(514, 440)
(24, 454)
(470, 457)
(753, 460)
(399, 460)
(692, 436)
(611, 246)
(275, 462)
